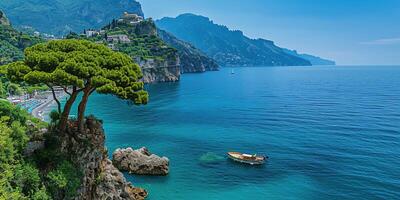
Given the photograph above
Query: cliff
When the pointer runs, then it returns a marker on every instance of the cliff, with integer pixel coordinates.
(100, 179)
(38, 162)
(159, 62)
(60, 17)
(192, 59)
(226, 46)
(160, 70)
(3, 19)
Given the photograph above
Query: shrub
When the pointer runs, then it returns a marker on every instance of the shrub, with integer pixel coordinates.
(64, 180)
(27, 178)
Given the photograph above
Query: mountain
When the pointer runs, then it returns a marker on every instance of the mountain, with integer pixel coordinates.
(315, 60)
(12, 42)
(60, 17)
(227, 47)
(192, 59)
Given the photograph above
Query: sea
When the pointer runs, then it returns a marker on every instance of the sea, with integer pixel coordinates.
(330, 132)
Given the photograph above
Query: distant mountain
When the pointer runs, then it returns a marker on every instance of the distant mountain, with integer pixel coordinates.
(191, 58)
(315, 60)
(60, 17)
(227, 47)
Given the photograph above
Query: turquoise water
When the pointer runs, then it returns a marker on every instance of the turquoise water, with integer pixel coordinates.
(330, 133)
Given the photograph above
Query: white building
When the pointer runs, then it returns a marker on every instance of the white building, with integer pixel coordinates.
(91, 33)
(118, 38)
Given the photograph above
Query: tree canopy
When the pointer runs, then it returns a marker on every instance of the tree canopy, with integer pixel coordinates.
(79, 66)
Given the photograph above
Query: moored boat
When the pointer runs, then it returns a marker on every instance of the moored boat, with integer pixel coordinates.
(247, 158)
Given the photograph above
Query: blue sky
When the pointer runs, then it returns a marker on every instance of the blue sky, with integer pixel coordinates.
(355, 32)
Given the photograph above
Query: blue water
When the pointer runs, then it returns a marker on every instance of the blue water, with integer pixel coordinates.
(330, 133)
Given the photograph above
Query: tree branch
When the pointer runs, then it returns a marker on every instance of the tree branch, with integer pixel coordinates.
(66, 91)
(93, 89)
(55, 98)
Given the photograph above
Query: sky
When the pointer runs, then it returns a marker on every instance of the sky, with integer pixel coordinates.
(351, 32)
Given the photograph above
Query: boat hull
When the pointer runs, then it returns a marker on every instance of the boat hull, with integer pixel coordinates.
(250, 162)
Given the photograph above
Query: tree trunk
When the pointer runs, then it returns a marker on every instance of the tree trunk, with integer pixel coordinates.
(67, 110)
(82, 108)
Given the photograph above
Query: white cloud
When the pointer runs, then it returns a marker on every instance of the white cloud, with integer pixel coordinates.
(384, 41)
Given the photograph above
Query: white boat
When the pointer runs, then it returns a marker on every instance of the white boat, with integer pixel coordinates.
(232, 71)
(247, 158)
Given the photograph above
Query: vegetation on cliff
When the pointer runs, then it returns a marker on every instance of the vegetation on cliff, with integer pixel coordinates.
(46, 161)
(43, 176)
(13, 42)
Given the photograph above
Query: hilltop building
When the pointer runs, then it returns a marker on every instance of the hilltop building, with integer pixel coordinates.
(91, 33)
(130, 18)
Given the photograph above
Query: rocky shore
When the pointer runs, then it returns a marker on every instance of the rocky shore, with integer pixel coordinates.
(141, 162)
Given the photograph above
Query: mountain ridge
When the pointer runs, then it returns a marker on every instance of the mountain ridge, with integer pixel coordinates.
(228, 47)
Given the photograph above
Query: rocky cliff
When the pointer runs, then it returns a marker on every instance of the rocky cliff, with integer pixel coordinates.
(3, 19)
(159, 62)
(192, 59)
(100, 180)
(160, 70)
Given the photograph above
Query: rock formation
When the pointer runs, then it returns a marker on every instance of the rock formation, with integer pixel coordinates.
(160, 71)
(3, 19)
(140, 161)
(101, 180)
(192, 59)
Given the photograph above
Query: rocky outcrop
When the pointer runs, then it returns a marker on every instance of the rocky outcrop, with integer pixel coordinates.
(192, 59)
(114, 185)
(3, 19)
(33, 146)
(160, 71)
(101, 180)
(140, 161)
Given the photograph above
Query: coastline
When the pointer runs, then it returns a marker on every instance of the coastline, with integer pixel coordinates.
(43, 109)
(39, 112)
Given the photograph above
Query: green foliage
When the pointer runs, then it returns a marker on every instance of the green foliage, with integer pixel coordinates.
(3, 92)
(19, 179)
(19, 136)
(14, 89)
(11, 113)
(54, 116)
(32, 89)
(64, 180)
(41, 194)
(75, 62)
(12, 44)
(27, 178)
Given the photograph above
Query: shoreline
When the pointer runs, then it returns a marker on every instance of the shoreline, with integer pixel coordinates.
(43, 109)
(39, 112)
